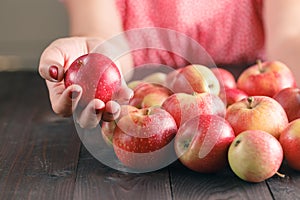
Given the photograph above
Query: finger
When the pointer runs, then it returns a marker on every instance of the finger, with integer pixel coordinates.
(59, 55)
(64, 101)
(51, 66)
(112, 111)
(124, 95)
(91, 114)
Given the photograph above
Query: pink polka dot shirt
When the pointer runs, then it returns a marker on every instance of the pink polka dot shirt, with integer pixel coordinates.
(231, 31)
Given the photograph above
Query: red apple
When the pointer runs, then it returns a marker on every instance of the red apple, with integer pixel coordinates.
(257, 113)
(266, 78)
(290, 142)
(232, 95)
(98, 76)
(289, 99)
(143, 139)
(202, 143)
(193, 78)
(255, 155)
(225, 77)
(149, 94)
(184, 106)
(108, 127)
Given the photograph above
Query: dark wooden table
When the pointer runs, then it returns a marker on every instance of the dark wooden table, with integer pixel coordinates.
(42, 157)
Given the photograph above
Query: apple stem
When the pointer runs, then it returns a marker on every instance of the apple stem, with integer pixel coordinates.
(250, 101)
(79, 62)
(259, 65)
(147, 111)
(195, 93)
(280, 175)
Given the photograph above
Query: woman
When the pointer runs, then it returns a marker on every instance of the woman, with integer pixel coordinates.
(234, 32)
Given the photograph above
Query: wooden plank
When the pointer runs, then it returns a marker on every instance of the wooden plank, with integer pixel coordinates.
(187, 184)
(38, 150)
(287, 187)
(97, 181)
(39, 154)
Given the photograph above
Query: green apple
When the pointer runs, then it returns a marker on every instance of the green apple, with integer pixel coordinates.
(157, 78)
(255, 155)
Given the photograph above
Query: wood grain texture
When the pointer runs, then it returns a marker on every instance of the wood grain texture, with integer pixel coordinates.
(38, 150)
(287, 187)
(97, 181)
(190, 185)
(41, 157)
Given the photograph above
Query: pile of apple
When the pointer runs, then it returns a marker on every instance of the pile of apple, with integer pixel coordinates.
(208, 119)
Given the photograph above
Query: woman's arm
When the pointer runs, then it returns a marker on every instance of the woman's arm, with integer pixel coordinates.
(93, 18)
(91, 22)
(282, 28)
(97, 18)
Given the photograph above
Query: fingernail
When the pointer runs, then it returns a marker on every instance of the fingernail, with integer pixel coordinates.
(53, 71)
(74, 94)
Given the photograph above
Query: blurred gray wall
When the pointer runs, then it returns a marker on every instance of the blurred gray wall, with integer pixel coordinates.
(26, 28)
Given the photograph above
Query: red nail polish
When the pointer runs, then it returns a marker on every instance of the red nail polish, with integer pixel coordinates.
(53, 71)
(74, 95)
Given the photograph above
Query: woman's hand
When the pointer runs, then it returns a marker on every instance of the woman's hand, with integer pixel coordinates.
(54, 61)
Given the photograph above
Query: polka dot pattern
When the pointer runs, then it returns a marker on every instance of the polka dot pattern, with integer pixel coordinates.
(231, 31)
